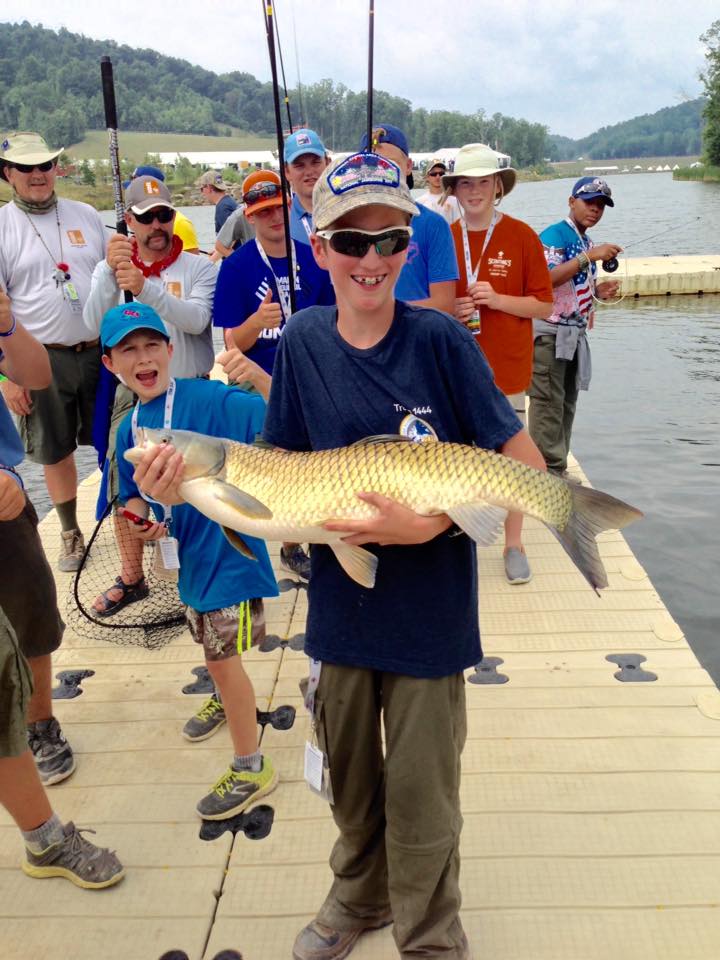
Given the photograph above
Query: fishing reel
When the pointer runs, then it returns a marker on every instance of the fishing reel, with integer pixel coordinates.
(611, 265)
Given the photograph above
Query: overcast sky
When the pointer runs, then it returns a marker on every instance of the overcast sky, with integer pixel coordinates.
(572, 65)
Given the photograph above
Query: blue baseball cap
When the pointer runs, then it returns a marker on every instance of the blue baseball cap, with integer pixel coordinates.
(301, 142)
(593, 188)
(154, 172)
(387, 133)
(126, 318)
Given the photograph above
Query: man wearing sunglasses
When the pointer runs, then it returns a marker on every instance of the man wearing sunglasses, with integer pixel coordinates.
(179, 286)
(48, 249)
(433, 196)
(561, 361)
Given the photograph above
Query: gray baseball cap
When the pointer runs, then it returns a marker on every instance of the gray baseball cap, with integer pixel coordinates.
(144, 193)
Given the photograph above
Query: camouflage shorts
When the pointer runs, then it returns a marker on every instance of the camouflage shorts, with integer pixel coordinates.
(227, 632)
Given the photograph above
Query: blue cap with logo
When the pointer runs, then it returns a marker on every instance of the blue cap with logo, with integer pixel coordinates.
(125, 319)
(301, 142)
(593, 188)
(154, 172)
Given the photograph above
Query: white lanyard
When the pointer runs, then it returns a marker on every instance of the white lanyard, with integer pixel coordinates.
(305, 221)
(472, 275)
(585, 243)
(167, 425)
(284, 296)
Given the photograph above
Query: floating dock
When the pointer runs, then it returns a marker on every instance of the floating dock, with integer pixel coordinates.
(591, 800)
(663, 276)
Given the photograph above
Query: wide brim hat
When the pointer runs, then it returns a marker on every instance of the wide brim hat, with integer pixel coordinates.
(360, 180)
(27, 148)
(479, 160)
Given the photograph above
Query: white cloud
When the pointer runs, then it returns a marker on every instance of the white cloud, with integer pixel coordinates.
(574, 67)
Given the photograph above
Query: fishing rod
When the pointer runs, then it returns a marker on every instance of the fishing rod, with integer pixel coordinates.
(282, 71)
(371, 52)
(108, 87)
(303, 118)
(611, 265)
(269, 22)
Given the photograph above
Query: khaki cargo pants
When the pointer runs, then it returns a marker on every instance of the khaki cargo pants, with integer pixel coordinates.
(399, 812)
(553, 398)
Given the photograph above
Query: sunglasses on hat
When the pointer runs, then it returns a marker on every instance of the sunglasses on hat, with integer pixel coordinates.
(263, 191)
(596, 186)
(161, 214)
(356, 243)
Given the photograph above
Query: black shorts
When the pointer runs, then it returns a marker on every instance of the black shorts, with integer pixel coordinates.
(27, 586)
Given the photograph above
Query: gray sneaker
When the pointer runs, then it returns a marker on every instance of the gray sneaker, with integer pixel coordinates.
(72, 548)
(517, 568)
(317, 941)
(76, 859)
(207, 721)
(236, 790)
(296, 561)
(53, 754)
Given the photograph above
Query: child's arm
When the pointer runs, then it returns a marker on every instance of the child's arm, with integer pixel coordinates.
(392, 524)
(522, 447)
(154, 532)
(266, 317)
(483, 295)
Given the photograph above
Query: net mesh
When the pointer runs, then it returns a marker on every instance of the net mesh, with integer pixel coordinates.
(151, 621)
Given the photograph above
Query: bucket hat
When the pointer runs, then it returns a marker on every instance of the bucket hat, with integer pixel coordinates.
(479, 160)
(27, 148)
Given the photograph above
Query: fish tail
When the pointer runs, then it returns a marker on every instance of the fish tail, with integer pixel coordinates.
(592, 512)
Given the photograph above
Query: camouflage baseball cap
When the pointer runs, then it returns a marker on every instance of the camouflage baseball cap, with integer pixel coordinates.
(360, 180)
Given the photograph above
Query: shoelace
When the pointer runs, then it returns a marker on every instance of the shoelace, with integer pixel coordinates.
(209, 709)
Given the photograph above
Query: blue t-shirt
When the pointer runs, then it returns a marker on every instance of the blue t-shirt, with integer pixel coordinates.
(212, 573)
(11, 448)
(430, 259)
(223, 209)
(243, 281)
(298, 217)
(421, 617)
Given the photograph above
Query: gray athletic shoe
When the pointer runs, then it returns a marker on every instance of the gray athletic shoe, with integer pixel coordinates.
(517, 568)
(207, 721)
(236, 790)
(317, 941)
(76, 859)
(296, 561)
(72, 548)
(53, 754)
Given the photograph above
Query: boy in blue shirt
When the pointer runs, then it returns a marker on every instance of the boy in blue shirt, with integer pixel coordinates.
(222, 589)
(252, 296)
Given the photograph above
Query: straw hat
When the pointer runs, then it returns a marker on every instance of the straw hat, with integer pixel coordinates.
(479, 160)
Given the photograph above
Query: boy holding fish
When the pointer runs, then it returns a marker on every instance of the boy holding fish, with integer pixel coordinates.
(375, 365)
(223, 589)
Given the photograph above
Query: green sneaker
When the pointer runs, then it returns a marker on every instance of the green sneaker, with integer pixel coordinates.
(236, 790)
(207, 721)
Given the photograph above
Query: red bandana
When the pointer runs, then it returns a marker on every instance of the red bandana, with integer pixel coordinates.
(155, 269)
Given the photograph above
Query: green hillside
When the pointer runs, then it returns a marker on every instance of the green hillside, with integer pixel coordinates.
(136, 145)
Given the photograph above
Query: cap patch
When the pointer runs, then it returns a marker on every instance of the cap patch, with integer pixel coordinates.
(151, 186)
(361, 170)
(303, 140)
(128, 312)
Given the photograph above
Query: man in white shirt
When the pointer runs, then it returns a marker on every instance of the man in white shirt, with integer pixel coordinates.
(48, 249)
(433, 196)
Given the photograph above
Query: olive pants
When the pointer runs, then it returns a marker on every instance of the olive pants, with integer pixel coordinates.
(398, 813)
(553, 398)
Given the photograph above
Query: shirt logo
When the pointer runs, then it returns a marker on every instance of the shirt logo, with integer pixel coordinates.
(174, 288)
(416, 429)
(76, 238)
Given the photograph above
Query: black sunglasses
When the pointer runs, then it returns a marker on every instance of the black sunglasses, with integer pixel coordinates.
(29, 167)
(161, 214)
(263, 191)
(356, 243)
(436, 173)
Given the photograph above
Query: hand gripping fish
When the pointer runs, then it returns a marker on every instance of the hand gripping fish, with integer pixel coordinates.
(277, 494)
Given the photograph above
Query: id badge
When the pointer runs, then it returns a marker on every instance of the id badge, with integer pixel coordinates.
(169, 553)
(473, 323)
(317, 772)
(72, 296)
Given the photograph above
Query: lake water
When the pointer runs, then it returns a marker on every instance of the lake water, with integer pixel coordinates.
(648, 430)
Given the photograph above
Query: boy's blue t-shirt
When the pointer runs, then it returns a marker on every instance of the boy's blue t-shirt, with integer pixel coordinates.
(243, 281)
(223, 209)
(212, 573)
(431, 256)
(421, 618)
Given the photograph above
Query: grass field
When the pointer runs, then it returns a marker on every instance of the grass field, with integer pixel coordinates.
(136, 145)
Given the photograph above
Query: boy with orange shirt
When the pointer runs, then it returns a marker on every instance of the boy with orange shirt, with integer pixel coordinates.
(504, 283)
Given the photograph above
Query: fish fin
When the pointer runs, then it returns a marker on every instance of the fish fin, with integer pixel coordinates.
(236, 541)
(359, 564)
(382, 438)
(260, 442)
(592, 512)
(481, 521)
(239, 500)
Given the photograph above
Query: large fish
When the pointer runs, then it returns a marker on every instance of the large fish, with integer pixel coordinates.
(276, 494)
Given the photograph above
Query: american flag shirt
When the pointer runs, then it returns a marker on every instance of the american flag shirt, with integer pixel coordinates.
(573, 300)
